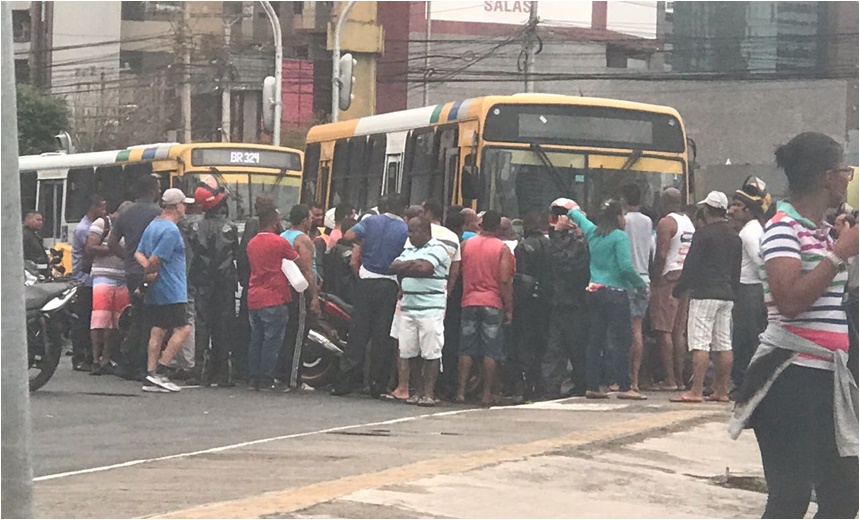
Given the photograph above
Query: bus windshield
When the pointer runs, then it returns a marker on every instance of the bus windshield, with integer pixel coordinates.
(516, 180)
(244, 189)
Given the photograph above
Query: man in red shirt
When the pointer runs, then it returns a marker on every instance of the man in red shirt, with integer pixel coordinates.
(487, 268)
(268, 297)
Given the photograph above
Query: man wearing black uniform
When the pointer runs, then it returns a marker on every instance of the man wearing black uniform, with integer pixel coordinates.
(215, 244)
(531, 307)
(568, 322)
(34, 247)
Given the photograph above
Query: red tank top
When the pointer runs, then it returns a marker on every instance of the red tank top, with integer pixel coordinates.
(481, 272)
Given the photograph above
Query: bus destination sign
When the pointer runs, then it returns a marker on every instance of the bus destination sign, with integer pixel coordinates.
(246, 157)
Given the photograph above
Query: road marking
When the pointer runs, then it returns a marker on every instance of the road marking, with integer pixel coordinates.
(573, 407)
(295, 499)
(247, 443)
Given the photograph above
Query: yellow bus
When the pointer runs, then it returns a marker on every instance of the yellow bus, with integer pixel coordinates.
(508, 153)
(59, 185)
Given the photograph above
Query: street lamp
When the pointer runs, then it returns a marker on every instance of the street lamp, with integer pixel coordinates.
(277, 101)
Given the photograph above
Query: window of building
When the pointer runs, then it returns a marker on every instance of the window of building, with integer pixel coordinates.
(298, 8)
(21, 25)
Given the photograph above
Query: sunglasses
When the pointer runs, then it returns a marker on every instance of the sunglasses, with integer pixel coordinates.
(847, 171)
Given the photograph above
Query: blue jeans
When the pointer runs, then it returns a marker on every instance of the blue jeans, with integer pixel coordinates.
(610, 338)
(267, 335)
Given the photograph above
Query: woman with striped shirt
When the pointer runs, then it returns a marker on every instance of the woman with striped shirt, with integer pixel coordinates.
(799, 396)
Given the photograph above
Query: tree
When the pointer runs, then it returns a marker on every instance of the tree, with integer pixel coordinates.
(40, 117)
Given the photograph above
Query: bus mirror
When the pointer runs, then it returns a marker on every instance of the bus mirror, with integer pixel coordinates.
(470, 182)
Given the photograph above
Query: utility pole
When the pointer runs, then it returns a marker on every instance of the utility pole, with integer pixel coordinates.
(335, 60)
(225, 85)
(185, 98)
(279, 69)
(17, 472)
(427, 54)
(530, 47)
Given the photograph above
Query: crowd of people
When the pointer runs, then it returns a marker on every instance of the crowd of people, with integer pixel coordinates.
(619, 301)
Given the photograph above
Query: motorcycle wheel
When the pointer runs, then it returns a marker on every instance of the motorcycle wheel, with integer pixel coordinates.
(45, 364)
(319, 366)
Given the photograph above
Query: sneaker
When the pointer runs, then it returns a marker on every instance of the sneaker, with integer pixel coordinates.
(163, 382)
(155, 389)
(307, 388)
(275, 388)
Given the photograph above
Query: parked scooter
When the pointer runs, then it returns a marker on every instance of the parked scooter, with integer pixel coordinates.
(325, 342)
(48, 306)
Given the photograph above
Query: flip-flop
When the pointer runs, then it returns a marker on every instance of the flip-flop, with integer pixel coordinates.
(413, 399)
(713, 399)
(683, 399)
(426, 401)
(393, 398)
(631, 397)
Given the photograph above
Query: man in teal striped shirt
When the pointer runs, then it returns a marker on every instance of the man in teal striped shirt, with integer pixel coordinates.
(422, 270)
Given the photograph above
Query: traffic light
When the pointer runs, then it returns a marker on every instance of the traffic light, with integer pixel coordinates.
(347, 80)
(269, 99)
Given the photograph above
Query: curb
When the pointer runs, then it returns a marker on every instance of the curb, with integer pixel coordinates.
(294, 499)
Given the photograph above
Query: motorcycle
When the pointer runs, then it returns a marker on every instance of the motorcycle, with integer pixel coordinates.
(325, 342)
(48, 310)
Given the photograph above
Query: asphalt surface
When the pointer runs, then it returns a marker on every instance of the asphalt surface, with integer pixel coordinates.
(82, 421)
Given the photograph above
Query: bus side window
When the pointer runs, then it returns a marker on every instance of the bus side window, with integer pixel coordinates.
(311, 170)
(339, 172)
(130, 173)
(81, 185)
(356, 190)
(442, 180)
(28, 191)
(419, 165)
(376, 168)
(111, 185)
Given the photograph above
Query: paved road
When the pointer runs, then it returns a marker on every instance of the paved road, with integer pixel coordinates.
(82, 421)
(105, 449)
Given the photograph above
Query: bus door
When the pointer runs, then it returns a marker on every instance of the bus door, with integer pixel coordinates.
(452, 167)
(323, 190)
(467, 190)
(51, 206)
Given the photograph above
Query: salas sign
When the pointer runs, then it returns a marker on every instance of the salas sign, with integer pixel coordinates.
(637, 18)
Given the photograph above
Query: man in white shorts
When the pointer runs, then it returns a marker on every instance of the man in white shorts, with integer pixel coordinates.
(711, 274)
(423, 272)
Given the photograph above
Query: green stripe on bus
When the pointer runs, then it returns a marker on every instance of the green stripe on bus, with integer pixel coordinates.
(122, 155)
(434, 118)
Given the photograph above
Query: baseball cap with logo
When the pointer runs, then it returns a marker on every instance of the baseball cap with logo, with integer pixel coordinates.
(716, 199)
(175, 196)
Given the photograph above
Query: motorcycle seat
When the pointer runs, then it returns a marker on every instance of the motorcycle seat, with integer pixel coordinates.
(340, 303)
(36, 296)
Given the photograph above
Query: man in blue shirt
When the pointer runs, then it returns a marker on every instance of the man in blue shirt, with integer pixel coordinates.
(81, 265)
(381, 238)
(161, 252)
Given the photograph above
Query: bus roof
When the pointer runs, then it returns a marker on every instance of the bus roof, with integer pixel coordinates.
(137, 153)
(461, 110)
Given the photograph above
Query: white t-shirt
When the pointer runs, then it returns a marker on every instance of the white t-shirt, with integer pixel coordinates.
(639, 230)
(750, 257)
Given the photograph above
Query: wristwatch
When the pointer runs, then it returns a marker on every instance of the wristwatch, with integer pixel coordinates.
(834, 259)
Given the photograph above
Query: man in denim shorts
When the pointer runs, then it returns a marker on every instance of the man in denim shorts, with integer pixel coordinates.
(487, 303)
(639, 230)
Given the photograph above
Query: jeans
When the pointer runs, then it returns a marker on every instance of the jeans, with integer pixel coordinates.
(526, 345)
(568, 341)
(373, 311)
(610, 337)
(267, 335)
(749, 319)
(794, 428)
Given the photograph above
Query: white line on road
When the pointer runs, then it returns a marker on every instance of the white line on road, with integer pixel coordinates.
(247, 443)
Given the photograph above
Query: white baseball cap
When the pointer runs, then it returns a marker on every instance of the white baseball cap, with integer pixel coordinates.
(716, 199)
(175, 196)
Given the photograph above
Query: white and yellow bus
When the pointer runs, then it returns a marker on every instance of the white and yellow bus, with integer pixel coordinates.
(59, 185)
(508, 153)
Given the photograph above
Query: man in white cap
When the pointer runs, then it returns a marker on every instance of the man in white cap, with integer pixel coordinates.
(161, 252)
(711, 274)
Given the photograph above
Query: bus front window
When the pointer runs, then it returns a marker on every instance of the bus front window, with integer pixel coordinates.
(285, 190)
(518, 180)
